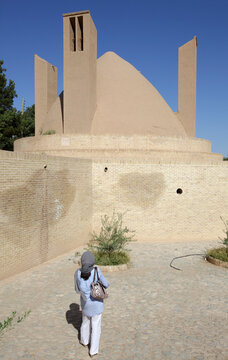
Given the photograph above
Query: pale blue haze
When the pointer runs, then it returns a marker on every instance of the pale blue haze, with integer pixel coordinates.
(146, 33)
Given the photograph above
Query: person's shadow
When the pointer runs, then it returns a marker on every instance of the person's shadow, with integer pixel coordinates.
(74, 317)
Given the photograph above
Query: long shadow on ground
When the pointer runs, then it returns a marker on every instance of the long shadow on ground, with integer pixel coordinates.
(74, 317)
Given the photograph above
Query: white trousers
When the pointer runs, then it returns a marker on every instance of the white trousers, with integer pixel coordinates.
(91, 331)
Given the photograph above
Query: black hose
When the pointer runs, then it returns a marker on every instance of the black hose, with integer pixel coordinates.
(178, 257)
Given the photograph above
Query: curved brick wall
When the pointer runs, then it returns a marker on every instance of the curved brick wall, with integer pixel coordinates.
(155, 148)
(73, 142)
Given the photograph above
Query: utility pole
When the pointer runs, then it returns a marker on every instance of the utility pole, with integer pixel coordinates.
(22, 111)
(22, 106)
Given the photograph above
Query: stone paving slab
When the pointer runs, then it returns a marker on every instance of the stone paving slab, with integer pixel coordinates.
(154, 312)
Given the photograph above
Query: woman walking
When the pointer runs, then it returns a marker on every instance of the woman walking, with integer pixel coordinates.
(91, 308)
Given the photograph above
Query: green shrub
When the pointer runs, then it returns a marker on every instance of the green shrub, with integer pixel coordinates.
(225, 239)
(222, 252)
(10, 319)
(21, 318)
(109, 246)
(219, 253)
(49, 132)
(115, 258)
(8, 322)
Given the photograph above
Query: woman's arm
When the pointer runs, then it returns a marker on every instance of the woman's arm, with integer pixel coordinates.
(76, 284)
(102, 278)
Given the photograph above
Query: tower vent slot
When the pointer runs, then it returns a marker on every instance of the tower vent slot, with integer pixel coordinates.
(72, 34)
(80, 40)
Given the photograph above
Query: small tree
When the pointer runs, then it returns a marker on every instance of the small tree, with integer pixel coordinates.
(13, 124)
(28, 122)
(7, 91)
(225, 239)
(109, 246)
(220, 253)
(10, 123)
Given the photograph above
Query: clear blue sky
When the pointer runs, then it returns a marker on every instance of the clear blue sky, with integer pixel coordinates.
(147, 33)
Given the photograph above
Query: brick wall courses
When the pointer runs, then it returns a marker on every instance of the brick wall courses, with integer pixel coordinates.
(111, 142)
(156, 157)
(47, 212)
(157, 149)
(156, 211)
(44, 212)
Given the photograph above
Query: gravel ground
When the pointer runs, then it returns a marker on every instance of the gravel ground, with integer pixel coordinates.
(153, 312)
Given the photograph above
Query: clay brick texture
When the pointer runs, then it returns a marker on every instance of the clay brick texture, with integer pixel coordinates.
(156, 210)
(49, 205)
(45, 208)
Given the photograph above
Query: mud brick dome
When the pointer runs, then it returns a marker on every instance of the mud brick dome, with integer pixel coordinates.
(108, 109)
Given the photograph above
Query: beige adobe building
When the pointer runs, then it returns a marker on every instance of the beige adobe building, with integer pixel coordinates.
(108, 95)
(118, 145)
(107, 100)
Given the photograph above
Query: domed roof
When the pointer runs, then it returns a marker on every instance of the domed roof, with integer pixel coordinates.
(127, 103)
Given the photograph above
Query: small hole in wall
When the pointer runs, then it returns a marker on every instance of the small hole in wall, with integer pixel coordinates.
(105, 169)
(179, 191)
(45, 166)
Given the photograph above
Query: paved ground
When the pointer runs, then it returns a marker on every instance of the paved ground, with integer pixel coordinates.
(154, 312)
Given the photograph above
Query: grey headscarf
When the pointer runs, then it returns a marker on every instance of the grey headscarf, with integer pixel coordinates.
(87, 261)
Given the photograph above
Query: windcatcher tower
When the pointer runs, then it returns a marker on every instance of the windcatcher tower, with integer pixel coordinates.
(45, 92)
(109, 110)
(80, 55)
(187, 86)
